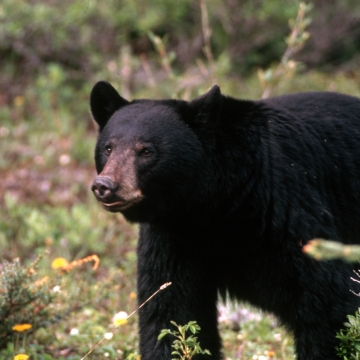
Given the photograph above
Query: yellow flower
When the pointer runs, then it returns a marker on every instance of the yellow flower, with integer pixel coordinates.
(21, 327)
(19, 101)
(132, 295)
(21, 357)
(59, 263)
(120, 318)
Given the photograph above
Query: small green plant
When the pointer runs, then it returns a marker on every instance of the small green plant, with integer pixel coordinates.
(185, 347)
(349, 347)
(271, 78)
(133, 356)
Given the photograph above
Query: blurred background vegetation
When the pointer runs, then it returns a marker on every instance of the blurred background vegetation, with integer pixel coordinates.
(51, 54)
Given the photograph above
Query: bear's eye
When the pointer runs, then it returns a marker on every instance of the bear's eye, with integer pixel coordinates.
(145, 152)
(108, 150)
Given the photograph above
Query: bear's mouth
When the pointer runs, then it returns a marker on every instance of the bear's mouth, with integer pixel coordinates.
(116, 206)
(120, 205)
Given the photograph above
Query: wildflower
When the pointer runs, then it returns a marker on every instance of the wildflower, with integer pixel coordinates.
(74, 331)
(19, 101)
(120, 318)
(59, 263)
(132, 295)
(21, 327)
(56, 289)
(64, 159)
(108, 335)
(21, 357)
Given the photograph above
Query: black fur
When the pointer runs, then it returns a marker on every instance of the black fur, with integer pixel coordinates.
(226, 192)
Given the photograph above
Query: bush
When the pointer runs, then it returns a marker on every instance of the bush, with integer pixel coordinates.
(27, 299)
(185, 346)
(83, 37)
(349, 348)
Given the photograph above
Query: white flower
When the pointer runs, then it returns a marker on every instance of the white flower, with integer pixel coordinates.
(64, 159)
(120, 318)
(74, 331)
(108, 335)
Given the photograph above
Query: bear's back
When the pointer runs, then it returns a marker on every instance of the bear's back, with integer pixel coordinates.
(315, 153)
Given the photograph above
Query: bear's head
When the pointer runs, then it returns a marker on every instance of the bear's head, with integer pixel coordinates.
(151, 155)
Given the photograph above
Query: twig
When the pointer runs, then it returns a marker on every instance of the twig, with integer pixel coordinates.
(295, 43)
(162, 287)
(206, 30)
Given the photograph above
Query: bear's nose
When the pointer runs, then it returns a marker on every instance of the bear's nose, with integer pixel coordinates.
(103, 187)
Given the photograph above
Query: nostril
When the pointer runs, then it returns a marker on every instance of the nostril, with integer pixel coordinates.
(102, 190)
(103, 187)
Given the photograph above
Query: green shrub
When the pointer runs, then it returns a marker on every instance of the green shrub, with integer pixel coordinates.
(185, 346)
(27, 299)
(349, 347)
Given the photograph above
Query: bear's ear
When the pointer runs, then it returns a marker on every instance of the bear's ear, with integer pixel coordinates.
(206, 111)
(207, 107)
(104, 101)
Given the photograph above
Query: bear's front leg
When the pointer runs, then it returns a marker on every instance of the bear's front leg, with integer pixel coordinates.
(317, 343)
(191, 297)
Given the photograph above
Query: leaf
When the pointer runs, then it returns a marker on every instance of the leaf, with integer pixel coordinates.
(352, 321)
(193, 329)
(163, 333)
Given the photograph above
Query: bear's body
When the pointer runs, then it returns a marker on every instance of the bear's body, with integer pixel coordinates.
(226, 192)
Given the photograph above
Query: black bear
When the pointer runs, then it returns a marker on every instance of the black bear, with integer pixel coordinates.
(227, 192)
